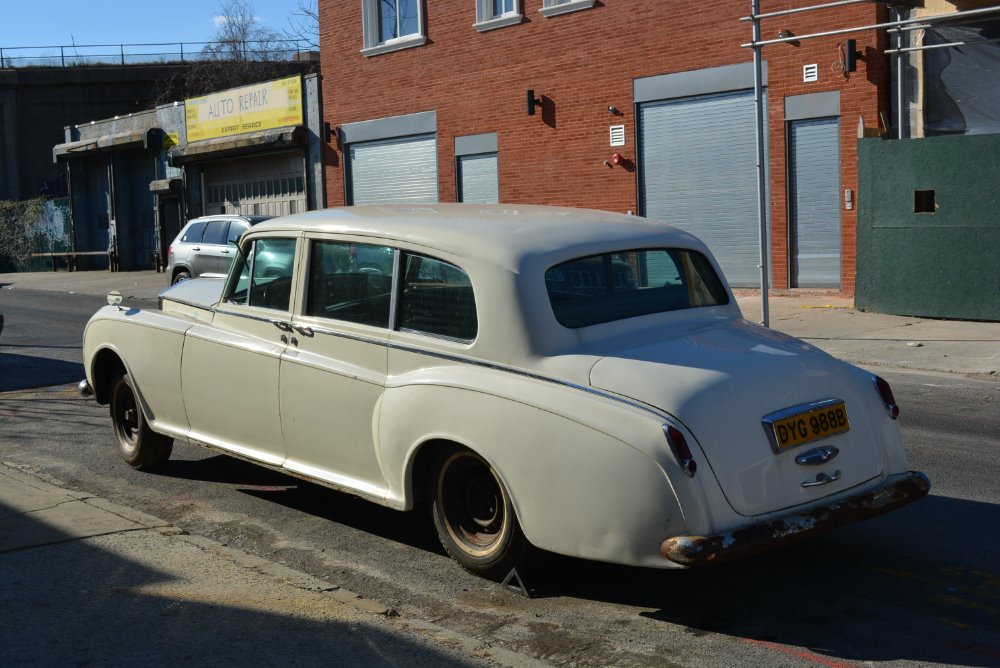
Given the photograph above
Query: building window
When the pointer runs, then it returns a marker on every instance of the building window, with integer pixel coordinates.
(556, 7)
(390, 25)
(491, 14)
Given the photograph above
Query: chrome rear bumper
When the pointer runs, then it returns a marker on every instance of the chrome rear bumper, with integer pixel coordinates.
(896, 491)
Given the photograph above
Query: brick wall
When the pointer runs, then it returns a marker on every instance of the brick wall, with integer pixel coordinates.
(580, 63)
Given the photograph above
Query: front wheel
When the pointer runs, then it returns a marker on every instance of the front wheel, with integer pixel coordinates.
(140, 447)
(474, 517)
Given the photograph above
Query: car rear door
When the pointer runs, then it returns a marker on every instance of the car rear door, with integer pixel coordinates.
(333, 372)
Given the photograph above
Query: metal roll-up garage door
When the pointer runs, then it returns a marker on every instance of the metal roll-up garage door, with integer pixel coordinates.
(477, 179)
(394, 170)
(699, 172)
(263, 186)
(814, 202)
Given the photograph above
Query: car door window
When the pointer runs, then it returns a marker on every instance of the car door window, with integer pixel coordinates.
(215, 232)
(351, 282)
(194, 233)
(236, 230)
(437, 299)
(264, 279)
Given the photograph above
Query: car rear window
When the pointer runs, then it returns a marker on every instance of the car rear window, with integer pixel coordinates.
(194, 233)
(626, 284)
(437, 299)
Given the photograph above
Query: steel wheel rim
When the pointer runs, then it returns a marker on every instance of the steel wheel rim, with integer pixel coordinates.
(473, 504)
(127, 416)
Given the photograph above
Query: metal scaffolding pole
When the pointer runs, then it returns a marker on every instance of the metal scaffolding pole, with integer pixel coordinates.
(758, 95)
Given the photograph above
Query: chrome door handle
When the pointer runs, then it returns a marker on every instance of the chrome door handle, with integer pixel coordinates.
(282, 325)
(197, 248)
(822, 479)
(304, 331)
(225, 250)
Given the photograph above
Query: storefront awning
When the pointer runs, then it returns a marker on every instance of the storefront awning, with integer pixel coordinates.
(248, 142)
(166, 186)
(149, 138)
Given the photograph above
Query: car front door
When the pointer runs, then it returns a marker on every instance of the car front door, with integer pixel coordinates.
(229, 367)
(334, 369)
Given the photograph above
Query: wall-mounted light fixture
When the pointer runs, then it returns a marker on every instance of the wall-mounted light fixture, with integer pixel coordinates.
(532, 102)
(851, 55)
(613, 110)
(785, 34)
(329, 132)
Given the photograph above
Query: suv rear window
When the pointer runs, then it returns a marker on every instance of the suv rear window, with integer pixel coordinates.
(614, 286)
(194, 233)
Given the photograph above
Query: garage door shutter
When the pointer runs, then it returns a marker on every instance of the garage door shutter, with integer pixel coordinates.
(477, 179)
(395, 170)
(814, 202)
(263, 186)
(699, 172)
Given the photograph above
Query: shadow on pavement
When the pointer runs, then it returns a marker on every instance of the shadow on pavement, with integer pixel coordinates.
(25, 372)
(75, 603)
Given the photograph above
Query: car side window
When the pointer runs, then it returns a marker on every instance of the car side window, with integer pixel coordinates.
(194, 233)
(350, 282)
(265, 278)
(236, 230)
(437, 299)
(215, 232)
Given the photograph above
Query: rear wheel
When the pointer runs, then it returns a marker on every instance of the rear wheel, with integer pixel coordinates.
(474, 517)
(180, 276)
(140, 447)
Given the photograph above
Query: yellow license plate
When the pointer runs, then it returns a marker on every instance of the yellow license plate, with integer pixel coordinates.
(793, 427)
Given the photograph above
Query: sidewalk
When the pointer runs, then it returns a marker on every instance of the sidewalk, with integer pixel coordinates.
(828, 321)
(88, 582)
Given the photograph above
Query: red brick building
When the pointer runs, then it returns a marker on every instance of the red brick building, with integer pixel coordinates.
(429, 99)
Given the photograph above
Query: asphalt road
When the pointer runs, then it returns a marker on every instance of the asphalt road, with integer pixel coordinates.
(919, 586)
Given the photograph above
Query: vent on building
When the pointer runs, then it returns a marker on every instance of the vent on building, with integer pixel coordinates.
(924, 201)
(617, 135)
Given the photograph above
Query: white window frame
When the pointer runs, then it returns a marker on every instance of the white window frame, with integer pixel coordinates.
(372, 44)
(487, 20)
(552, 8)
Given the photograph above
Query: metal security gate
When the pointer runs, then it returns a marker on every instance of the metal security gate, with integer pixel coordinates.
(814, 202)
(478, 181)
(394, 170)
(698, 172)
(262, 186)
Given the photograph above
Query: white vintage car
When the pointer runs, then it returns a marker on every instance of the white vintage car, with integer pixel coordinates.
(577, 381)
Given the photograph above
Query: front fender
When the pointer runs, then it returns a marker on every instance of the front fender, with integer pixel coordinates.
(149, 345)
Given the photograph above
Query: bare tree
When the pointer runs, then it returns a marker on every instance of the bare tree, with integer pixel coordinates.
(303, 24)
(244, 52)
(239, 37)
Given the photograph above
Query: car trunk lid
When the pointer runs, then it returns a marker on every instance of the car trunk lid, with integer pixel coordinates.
(726, 381)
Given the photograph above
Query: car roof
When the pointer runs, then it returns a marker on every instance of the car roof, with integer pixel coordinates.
(499, 233)
(253, 220)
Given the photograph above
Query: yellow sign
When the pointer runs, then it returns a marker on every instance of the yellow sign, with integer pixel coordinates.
(171, 139)
(263, 106)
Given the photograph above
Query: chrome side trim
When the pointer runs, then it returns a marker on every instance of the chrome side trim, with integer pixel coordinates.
(184, 302)
(531, 375)
(256, 318)
(459, 359)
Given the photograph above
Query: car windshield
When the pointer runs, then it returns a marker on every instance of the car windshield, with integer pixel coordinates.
(625, 284)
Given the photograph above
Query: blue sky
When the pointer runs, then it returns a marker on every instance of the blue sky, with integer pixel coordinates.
(64, 22)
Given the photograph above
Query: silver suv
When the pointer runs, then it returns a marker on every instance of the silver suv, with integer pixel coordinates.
(205, 246)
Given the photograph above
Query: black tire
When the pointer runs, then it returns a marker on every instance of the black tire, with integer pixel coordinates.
(474, 517)
(180, 276)
(141, 447)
